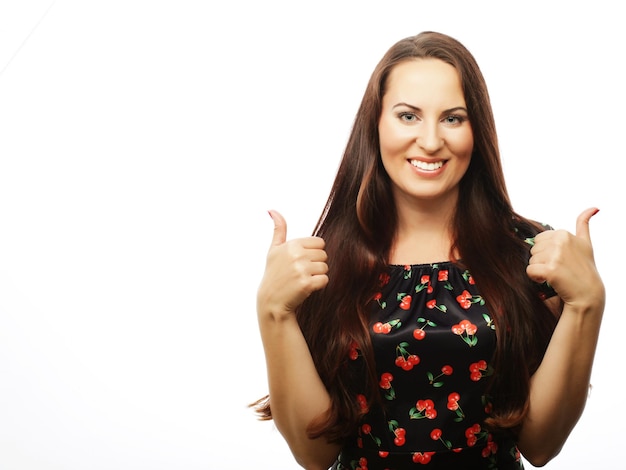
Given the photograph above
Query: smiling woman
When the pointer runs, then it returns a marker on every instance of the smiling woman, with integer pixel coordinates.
(141, 145)
(418, 246)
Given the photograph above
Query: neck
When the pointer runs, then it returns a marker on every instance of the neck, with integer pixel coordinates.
(423, 234)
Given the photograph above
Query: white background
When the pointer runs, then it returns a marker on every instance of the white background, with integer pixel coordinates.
(141, 144)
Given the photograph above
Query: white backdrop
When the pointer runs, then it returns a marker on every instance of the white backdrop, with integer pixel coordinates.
(141, 144)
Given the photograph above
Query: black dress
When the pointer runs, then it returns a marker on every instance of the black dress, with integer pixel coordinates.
(433, 340)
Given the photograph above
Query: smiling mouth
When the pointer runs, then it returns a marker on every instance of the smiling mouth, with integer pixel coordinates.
(427, 166)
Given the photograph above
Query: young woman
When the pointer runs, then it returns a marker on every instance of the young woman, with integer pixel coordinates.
(426, 322)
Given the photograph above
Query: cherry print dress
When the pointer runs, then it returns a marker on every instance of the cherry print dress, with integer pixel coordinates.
(433, 341)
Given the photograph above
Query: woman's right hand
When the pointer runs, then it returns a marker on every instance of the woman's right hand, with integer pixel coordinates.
(294, 269)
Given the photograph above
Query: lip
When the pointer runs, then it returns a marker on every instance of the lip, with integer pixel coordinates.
(424, 171)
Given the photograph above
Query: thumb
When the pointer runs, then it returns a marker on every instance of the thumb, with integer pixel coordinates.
(280, 228)
(582, 222)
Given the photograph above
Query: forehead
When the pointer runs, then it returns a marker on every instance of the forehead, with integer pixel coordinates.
(431, 80)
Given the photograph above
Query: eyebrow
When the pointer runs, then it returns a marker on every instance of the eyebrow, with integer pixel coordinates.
(415, 108)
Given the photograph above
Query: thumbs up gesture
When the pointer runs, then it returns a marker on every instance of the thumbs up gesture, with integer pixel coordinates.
(567, 263)
(294, 269)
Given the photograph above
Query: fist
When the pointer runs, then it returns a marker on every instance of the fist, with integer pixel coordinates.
(294, 269)
(566, 262)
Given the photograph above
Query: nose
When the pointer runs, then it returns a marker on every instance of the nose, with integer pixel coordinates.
(429, 137)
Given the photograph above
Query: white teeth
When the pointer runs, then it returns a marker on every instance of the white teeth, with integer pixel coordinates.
(427, 166)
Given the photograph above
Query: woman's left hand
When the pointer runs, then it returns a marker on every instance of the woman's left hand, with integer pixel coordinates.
(567, 263)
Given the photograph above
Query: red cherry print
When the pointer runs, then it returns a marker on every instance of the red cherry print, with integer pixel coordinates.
(362, 402)
(453, 399)
(422, 405)
(446, 370)
(457, 329)
(468, 326)
(404, 359)
(443, 275)
(382, 328)
(435, 434)
(383, 279)
(464, 299)
(385, 381)
(403, 363)
(383, 454)
(470, 434)
(405, 303)
(431, 303)
(413, 359)
(400, 438)
(423, 458)
(408, 271)
(366, 428)
(419, 334)
(363, 462)
(476, 369)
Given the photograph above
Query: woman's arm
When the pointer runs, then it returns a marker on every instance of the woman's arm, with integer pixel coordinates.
(297, 395)
(559, 387)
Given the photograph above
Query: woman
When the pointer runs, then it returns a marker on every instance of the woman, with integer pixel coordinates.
(426, 322)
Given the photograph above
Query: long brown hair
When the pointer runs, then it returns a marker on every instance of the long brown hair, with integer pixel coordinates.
(358, 224)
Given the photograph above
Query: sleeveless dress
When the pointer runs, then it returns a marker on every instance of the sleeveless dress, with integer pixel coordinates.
(433, 341)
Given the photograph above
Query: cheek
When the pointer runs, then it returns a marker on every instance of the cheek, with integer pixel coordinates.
(391, 137)
(462, 145)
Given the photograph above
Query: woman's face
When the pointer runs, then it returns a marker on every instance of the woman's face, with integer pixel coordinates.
(426, 139)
